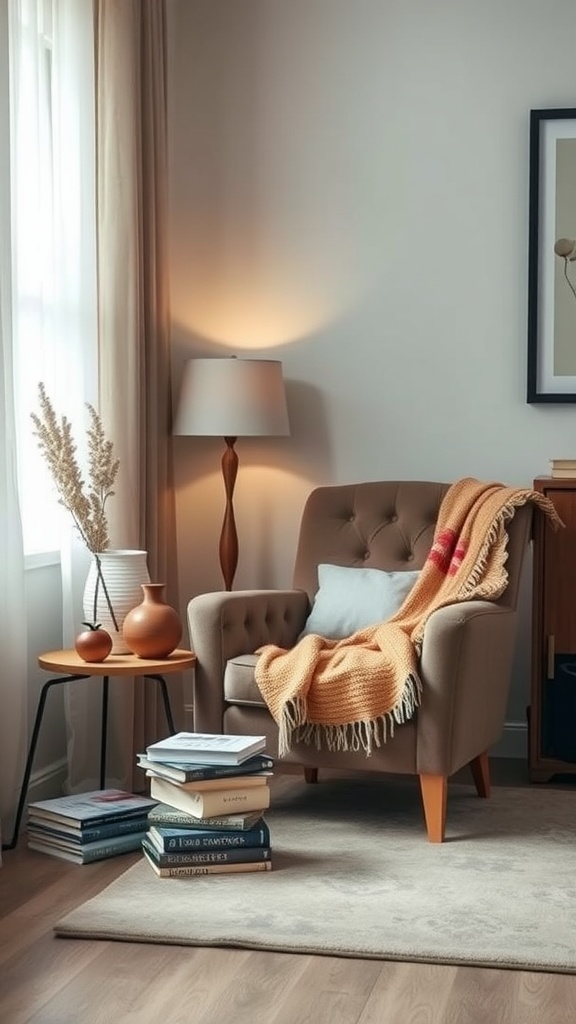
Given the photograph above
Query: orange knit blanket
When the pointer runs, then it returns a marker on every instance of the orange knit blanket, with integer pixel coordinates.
(349, 693)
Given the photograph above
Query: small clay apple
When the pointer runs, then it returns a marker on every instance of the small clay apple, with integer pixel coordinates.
(94, 644)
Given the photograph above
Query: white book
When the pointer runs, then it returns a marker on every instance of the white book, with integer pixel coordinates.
(205, 748)
(211, 803)
(96, 807)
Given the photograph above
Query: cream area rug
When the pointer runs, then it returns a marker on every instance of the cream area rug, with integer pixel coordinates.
(354, 875)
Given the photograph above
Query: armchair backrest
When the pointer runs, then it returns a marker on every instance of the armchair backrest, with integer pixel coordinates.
(385, 525)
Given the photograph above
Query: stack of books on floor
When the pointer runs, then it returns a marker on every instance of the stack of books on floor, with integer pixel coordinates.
(86, 827)
(212, 792)
(563, 468)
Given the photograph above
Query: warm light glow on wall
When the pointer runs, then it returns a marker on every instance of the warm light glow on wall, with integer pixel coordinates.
(242, 322)
(257, 490)
(257, 483)
(243, 306)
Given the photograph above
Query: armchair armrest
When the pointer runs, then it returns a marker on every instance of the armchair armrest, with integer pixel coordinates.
(225, 624)
(465, 668)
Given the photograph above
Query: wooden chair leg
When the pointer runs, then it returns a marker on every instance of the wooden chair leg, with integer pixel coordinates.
(311, 774)
(480, 767)
(434, 789)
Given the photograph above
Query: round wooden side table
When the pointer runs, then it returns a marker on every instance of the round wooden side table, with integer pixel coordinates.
(70, 663)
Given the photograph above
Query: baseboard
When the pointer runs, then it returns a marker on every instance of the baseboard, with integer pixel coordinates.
(189, 717)
(48, 782)
(513, 743)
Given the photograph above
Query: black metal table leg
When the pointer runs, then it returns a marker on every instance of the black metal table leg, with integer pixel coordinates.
(104, 731)
(168, 710)
(160, 680)
(31, 753)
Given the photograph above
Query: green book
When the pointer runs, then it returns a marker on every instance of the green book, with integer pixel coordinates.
(176, 840)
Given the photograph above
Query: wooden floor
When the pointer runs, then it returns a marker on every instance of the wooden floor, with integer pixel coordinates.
(45, 980)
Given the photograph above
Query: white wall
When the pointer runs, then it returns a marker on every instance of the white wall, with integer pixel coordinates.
(349, 193)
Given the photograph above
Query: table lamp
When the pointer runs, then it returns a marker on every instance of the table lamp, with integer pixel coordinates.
(231, 398)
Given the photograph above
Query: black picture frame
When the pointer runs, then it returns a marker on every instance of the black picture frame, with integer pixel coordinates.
(551, 262)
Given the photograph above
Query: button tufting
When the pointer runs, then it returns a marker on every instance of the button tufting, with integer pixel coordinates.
(366, 555)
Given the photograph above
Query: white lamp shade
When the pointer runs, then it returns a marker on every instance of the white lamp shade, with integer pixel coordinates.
(229, 397)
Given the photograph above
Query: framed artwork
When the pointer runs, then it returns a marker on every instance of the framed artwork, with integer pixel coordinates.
(552, 257)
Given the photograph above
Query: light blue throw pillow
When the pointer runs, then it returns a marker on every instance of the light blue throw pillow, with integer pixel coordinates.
(349, 599)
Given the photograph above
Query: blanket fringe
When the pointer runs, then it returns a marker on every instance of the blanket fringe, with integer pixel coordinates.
(475, 585)
(360, 735)
(496, 533)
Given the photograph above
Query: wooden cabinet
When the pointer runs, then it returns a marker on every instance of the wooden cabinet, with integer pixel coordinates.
(552, 713)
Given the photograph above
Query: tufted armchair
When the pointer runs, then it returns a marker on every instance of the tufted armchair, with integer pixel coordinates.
(466, 655)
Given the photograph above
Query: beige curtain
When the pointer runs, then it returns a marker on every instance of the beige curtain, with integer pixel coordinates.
(133, 315)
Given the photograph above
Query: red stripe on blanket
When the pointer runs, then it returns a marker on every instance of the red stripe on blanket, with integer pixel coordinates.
(442, 550)
(457, 558)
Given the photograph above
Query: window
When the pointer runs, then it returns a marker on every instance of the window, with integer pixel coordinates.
(53, 234)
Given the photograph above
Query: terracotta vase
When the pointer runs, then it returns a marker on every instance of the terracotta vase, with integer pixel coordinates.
(153, 629)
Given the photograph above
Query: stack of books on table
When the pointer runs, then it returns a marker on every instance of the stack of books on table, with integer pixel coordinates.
(91, 826)
(212, 791)
(563, 468)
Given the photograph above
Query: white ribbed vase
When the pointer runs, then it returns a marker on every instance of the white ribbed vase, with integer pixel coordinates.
(124, 573)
